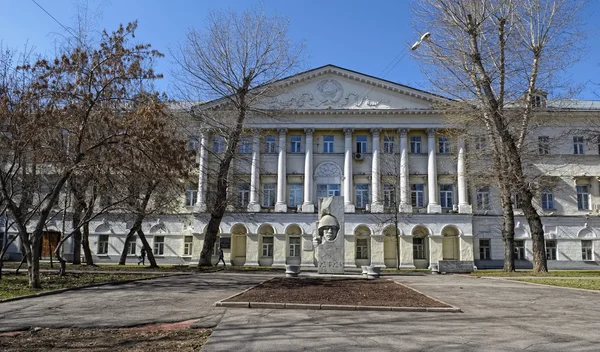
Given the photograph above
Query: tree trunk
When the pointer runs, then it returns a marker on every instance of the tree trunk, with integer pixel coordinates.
(136, 226)
(508, 230)
(149, 251)
(540, 264)
(85, 241)
(76, 247)
(33, 261)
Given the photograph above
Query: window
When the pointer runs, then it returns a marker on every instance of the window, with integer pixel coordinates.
(216, 246)
(294, 246)
(267, 246)
(538, 101)
(586, 250)
(191, 195)
(270, 145)
(547, 199)
(268, 198)
(583, 197)
(543, 145)
(295, 195)
(296, 144)
(516, 201)
(328, 190)
(419, 248)
(416, 195)
(362, 248)
(192, 144)
(245, 146)
(361, 144)
(415, 144)
(131, 245)
(480, 143)
(159, 245)
(484, 249)
(219, 144)
(483, 198)
(243, 194)
(443, 145)
(389, 195)
(388, 144)
(102, 244)
(327, 144)
(578, 145)
(362, 195)
(188, 242)
(446, 195)
(520, 250)
(550, 249)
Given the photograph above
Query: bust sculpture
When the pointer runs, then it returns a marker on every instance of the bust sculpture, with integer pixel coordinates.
(327, 230)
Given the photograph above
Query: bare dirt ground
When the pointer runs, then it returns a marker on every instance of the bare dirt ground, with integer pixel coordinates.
(357, 292)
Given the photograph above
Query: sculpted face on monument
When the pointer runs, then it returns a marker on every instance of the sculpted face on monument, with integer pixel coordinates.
(328, 228)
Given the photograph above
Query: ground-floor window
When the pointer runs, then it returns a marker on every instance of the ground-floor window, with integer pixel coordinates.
(484, 249)
(519, 249)
(102, 244)
(419, 248)
(550, 249)
(362, 248)
(586, 250)
(188, 242)
(159, 245)
(267, 246)
(294, 246)
(131, 245)
(216, 246)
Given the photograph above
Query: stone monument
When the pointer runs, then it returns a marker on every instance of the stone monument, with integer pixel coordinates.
(328, 239)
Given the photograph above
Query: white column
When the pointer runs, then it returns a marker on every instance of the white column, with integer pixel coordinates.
(308, 206)
(202, 169)
(405, 206)
(376, 204)
(281, 205)
(253, 205)
(348, 203)
(433, 206)
(463, 205)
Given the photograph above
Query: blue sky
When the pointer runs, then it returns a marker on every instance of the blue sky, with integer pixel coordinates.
(366, 36)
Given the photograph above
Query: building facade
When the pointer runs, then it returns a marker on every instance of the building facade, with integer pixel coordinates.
(409, 198)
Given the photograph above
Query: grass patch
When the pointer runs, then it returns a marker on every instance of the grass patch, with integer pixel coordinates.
(13, 285)
(589, 284)
(141, 268)
(552, 273)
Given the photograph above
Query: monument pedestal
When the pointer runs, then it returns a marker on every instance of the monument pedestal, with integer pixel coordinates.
(329, 237)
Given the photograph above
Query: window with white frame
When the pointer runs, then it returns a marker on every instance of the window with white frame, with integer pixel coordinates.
(417, 195)
(550, 249)
(269, 195)
(296, 195)
(484, 249)
(361, 144)
(443, 145)
(516, 198)
(388, 144)
(362, 195)
(193, 143)
(415, 144)
(330, 190)
(419, 248)
(188, 245)
(296, 144)
(131, 245)
(159, 245)
(480, 143)
(191, 194)
(583, 197)
(102, 244)
(543, 145)
(586, 250)
(243, 194)
(389, 195)
(483, 198)
(547, 198)
(267, 246)
(327, 144)
(520, 249)
(446, 195)
(362, 248)
(218, 144)
(294, 246)
(270, 144)
(245, 145)
(578, 145)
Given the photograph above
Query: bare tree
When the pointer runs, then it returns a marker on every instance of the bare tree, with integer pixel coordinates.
(495, 56)
(235, 59)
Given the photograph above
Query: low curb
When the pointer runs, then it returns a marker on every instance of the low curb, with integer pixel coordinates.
(75, 288)
(270, 305)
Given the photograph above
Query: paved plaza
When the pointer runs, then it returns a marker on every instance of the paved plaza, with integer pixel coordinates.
(498, 315)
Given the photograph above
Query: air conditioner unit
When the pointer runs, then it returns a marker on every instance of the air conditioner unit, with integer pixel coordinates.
(358, 156)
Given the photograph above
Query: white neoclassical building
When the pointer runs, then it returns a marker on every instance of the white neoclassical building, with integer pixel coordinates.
(386, 150)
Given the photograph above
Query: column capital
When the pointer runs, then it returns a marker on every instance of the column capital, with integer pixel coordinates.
(309, 131)
(403, 132)
(348, 132)
(431, 132)
(375, 132)
(282, 131)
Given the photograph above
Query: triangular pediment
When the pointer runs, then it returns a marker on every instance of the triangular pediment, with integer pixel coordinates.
(334, 88)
